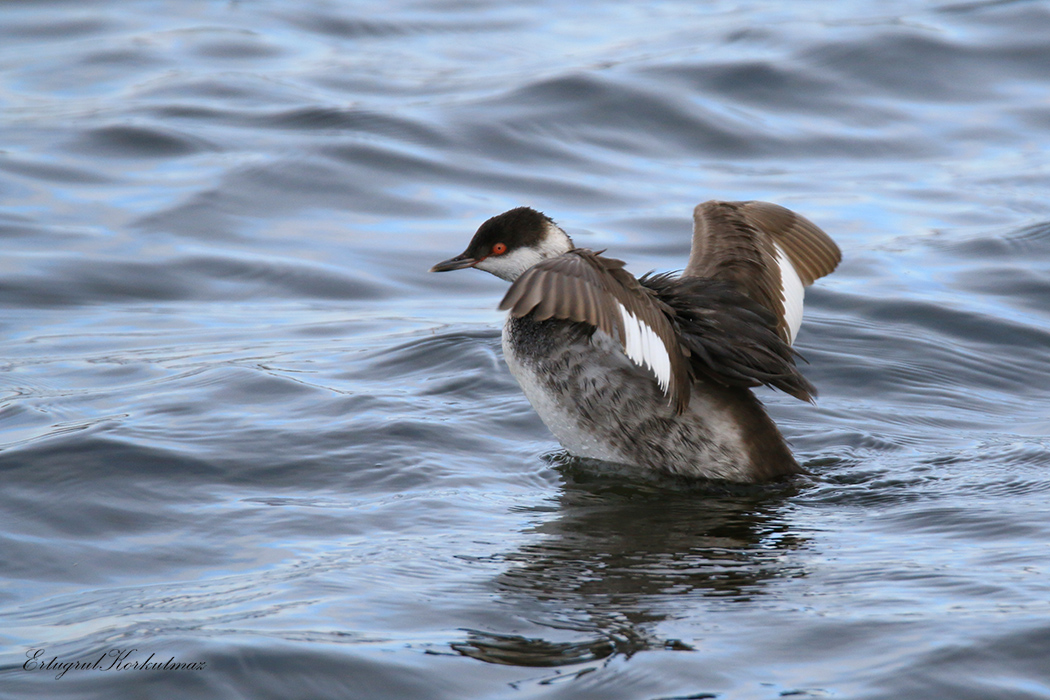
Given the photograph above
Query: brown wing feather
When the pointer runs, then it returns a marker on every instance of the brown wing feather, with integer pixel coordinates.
(565, 287)
(732, 337)
(736, 241)
(812, 251)
(585, 287)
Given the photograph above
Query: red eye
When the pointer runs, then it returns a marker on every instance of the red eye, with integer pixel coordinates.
(499, 249)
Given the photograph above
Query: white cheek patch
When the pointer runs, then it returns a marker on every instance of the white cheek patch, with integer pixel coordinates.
(645, 348)
(792, 291)
(510, 265)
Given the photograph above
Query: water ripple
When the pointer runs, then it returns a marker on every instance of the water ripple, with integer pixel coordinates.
(243, 424)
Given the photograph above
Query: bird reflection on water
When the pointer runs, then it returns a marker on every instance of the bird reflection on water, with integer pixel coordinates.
(600, 583)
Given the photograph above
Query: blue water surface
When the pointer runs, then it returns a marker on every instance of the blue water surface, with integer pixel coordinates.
(245, 433)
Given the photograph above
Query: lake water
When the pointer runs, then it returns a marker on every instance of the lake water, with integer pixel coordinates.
(241, 426)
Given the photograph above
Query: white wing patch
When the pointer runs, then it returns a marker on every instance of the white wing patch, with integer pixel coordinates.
(645, 348)
(792, 291)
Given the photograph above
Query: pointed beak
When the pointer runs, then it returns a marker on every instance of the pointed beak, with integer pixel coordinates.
(457, 263)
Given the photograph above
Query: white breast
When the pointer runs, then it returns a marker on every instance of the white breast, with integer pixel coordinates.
(559, 419)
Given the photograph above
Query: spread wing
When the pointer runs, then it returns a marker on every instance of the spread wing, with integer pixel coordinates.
(770, 253)
(585, 287)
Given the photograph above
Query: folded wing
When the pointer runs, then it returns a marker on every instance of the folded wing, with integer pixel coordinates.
(585, 287)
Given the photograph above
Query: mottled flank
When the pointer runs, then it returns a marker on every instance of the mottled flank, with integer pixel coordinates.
(601, 405)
